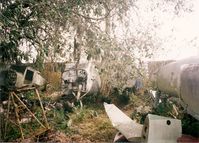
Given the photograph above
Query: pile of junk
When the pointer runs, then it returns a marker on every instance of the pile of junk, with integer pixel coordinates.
(180, 81)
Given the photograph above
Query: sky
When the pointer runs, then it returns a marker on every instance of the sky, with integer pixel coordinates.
(176, 34)
(179, 34)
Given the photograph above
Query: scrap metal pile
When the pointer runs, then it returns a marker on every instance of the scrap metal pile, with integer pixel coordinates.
(21, 109)
(15, 82)
(180, 81)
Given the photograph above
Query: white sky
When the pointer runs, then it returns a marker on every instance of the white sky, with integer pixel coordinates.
(179, 34)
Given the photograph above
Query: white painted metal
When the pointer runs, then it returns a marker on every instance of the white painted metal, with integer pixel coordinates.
(129, 128)
(181, 78)
(158, 129)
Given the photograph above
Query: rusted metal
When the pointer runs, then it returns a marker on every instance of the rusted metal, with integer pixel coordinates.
(32, 114)
(43, 111)
(18, 104)
(17, 115)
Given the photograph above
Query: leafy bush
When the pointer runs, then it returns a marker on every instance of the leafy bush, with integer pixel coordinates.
(190, 125)
(120, 97)
(58, 119)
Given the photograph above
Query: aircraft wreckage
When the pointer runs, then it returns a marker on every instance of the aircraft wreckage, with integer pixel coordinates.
(178, 79)
(80, 80)
(16, 108)
(19, 76)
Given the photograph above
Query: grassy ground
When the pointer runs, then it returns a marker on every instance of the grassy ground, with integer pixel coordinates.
(92, 125)
(89, 124)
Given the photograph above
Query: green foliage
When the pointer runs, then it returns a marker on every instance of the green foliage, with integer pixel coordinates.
(124, 99)
(190, 125)
(16, 24)
(58, 119)
(29, 95)
(26, 21)
(164, 109)
(120, 97)
(12, 133)
(39, 63)
(80, 115)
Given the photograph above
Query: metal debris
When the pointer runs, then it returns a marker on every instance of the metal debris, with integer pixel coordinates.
(19, 76)
(161, 129)
(181, 79)
(129, 128)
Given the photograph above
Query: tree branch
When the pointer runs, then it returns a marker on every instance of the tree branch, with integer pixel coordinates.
(93, 18)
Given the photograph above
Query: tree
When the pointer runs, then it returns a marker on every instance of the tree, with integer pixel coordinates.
(38, 22)
(92, 27)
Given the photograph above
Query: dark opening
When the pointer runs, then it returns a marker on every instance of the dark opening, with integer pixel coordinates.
(168, 122)
(145, 129)
(66, 81)
(28, 76)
